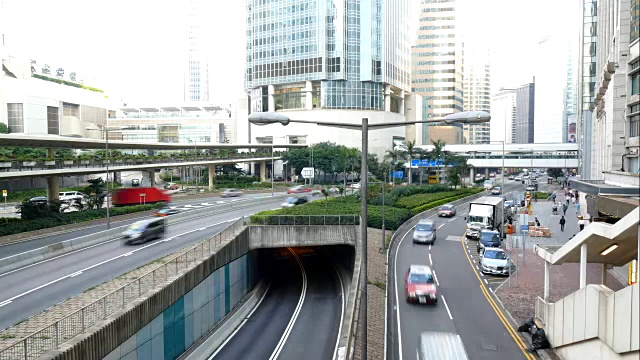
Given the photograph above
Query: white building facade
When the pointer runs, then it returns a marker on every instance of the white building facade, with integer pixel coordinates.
(33, 103)
(325, 60)
(503, 116)
(196, 75)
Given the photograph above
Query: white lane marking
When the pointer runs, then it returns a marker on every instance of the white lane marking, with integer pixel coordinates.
(429, 247)
(106, 261)
(202, 228)
(417, 354)
(430, 261)
(447, 306)
(486, 282)
(193, 206)
(7, 302)
(173, 207)
(75, 274)
(436, 278)
(395, 279)
(450, 220)
(296, 312)
(441, 225)
(477, 267)
(219, 202)
(206, 204)
(335, 350)
(239, 326)
(490, 289)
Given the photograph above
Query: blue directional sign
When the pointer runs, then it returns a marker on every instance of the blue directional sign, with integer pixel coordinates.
(426, 163)
(397, 174)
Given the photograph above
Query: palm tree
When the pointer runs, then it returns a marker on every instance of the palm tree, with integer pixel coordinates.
(393, 155)
(411, 151)
(422, 155)
(438, 152)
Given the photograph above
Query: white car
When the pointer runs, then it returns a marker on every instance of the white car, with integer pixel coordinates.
(494, 261)
(72, 196)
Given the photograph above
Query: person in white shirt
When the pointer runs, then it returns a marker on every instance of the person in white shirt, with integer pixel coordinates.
(581, 222)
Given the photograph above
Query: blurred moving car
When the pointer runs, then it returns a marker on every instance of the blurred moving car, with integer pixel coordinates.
(425, 232)
(494, 261)
(231, 193)
(298, 189)
(144, 230)
(293, 201)
(511, 177)
(166, 212)
(420, 286)
(171, 186)
(496, 191)
(447, 210)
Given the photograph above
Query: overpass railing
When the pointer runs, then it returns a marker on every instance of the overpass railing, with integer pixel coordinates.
(51, 336)
(304, 220)
(43, 164)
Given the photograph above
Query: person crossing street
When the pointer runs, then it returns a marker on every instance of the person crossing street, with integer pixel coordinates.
(562, 222)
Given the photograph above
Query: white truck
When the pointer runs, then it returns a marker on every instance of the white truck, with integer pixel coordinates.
(487, 211)
(435, 345)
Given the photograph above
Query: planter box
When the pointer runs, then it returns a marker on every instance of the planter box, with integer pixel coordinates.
(50, 163)
(68, 162)
(5, 164)
(85, 162)
(28, 163)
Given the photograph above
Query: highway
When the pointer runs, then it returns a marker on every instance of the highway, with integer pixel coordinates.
(299, 315)
(185, 204)
(30, 290)
(466, 303)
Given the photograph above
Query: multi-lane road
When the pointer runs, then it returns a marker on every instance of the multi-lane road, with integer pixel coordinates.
(299, 316)
(32, 289)
(466, 306)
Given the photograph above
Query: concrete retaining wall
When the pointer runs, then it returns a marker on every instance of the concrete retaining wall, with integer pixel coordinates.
(164, 324)
(270, 236)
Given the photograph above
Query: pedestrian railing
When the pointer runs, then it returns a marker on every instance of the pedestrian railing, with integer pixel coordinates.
(53, 335)
(541, 310)
(304, 220)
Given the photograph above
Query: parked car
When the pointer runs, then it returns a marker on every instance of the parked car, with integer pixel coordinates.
(420, 286)
(425, 232)
(488, 239)
(231, 193)
(72, 196)
(166, 212)
(518, 178)
(494, 261)
(473, 231)
(447, 210)
(293, 201)
(144, 230)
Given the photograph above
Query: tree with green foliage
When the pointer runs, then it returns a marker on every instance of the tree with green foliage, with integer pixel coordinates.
(96, 191)
(555, 173)
(393, 156)
(411, 152)
(453, 176)
(4, 129)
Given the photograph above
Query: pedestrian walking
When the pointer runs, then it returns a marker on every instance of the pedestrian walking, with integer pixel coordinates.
(573, 200)
(578, 207)
(567, 201)
(564, 208)
(581, 222)
(562, 222)
(553, 197)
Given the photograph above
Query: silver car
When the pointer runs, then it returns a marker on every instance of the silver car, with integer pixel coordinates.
(231, 193)
(494, 261)
(425, 232)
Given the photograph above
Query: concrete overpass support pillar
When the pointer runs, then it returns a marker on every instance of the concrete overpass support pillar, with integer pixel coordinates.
(583, 265)
(472, 175)
(53, 188)
(263, 171)
(212, 174)
(152, 178)
(546, 281)
(387, 98)
(486, 173)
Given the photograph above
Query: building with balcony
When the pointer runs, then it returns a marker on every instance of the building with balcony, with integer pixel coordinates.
(319, 60)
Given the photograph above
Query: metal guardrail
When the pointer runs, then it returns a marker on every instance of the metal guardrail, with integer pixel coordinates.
(52, 336)
(16, 165)
(541, 311)
(304, 220)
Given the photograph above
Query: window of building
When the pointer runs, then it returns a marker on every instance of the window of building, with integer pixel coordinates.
(635, 84)
(53, 123)
(15, 118)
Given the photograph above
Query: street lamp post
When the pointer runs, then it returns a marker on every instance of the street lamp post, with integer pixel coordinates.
(266, 118)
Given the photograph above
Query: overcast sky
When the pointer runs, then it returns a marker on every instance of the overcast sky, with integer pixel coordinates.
(134, 48)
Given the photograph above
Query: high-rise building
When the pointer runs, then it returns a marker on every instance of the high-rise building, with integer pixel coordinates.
(477, 88)
(503, 116)
(525, 104)
(551, 77)
(570, 108)
(436, 62)
(196, 76)
(319, 60)
(586, 82)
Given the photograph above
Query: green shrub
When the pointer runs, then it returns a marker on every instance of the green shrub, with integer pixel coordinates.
(414, 201)
(431, 205)
(405, 191)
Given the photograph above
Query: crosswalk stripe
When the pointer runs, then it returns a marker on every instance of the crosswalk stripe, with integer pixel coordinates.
(193, 206)
(207, 204)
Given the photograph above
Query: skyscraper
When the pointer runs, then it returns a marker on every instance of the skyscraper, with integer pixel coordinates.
(322, 56)
(196, 76)
(525, 104)
(569, 123)
(586, 83)
(477, 87)
(503, 116)
(437, 60)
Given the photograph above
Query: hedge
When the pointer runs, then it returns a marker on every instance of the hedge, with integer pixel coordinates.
(19, 225)
(431, 205)
(399, 192)
(420, 200)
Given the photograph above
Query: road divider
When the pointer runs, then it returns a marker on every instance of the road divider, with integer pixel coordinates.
(32, 257)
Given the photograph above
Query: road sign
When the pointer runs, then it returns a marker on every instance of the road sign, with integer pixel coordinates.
(308, 172)
(4, 193)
